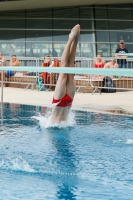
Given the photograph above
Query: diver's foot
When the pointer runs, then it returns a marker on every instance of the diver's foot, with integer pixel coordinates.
(75, 32)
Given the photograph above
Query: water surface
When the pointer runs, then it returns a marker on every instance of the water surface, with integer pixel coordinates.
(89, 157)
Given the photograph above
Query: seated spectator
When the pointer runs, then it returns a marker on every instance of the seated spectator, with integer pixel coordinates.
(56, 63)
(3, 63)
(53, 76)
(111, 64)
(98, 63)
(3, 60)
(46, 63)
(13, 62)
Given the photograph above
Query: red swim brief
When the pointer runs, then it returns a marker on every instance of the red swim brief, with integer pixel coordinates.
(64, 101)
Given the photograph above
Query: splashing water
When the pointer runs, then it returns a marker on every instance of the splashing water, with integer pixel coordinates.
(16, 164)
(129, 141)
(89, 159)
(45, 122)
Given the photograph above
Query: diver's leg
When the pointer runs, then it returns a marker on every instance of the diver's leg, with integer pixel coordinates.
(70, 87)
(61, 86)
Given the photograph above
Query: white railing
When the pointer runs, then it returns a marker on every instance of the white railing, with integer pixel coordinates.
(21, 77)
(121, 83)
(79, 62)
(29, 78)
(1, 63)
(82, 81)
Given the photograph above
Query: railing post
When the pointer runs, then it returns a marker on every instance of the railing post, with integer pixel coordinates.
(2, 83)
(2, 86)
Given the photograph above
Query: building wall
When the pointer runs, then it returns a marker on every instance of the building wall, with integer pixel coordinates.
(45, 31)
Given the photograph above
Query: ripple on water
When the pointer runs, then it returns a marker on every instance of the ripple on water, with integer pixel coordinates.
(88, 156)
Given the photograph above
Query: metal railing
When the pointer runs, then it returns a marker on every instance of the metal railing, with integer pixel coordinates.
(82, 81)
(79, 62)
(29, 79)
(1, 63)
(121, 83)
(23, 78)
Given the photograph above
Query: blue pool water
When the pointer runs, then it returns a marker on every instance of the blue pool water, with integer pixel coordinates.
(87, 160)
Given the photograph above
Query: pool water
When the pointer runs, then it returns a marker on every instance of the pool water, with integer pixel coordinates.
(87, 158)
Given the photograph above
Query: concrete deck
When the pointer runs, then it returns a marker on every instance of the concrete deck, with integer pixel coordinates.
(82, 101)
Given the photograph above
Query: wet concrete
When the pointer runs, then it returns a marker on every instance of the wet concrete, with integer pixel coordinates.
(114, 103)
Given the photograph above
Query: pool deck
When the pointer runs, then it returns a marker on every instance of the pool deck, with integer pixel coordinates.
(82, 101)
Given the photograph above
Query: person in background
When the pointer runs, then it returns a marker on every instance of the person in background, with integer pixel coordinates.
(13, 62)
(111, 64)
(56, 63)
(46, 63)
(65, 87)
(52, 77)
(2, 59)
(98, 63)
(3, 63)
(121, 62)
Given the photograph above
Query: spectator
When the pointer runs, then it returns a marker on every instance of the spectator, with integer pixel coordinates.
(13, 62)
(98, 63)
(53, 76)
(46, 63)
(111, 64)
(3, 63)
(56, 63)
(3, 60)
(121, 62)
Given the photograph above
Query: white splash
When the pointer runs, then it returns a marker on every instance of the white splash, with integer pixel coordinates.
(129, 141)
(44, 121)
(17, 164)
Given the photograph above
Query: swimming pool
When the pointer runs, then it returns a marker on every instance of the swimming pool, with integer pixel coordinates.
(89, 159)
